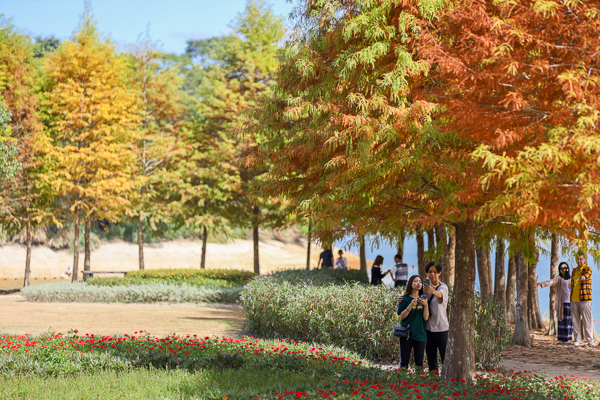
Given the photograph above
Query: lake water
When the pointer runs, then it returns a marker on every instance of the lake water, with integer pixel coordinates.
(543, 270)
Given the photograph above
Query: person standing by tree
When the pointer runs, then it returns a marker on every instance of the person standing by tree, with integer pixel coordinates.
(581, 302)
(437, 325)
(376, 274)
(326, 258)
(412, 303)
(563, 302)
(341, 262)
(399, 272)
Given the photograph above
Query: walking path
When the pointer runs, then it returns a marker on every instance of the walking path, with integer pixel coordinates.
(20, 317)
(547, 357)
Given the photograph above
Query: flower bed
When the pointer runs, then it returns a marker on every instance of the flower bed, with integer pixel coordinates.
(150, 292)
(312, 371)
(59, 354)
(513, 385)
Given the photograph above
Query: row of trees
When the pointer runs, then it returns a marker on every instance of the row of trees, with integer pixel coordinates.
(92, 134)
(474, 119)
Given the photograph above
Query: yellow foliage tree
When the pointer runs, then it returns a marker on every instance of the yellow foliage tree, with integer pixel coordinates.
(94, 117)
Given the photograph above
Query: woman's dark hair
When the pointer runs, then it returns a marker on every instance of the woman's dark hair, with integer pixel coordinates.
(340, 252)
(565, 275)
(378, 261)
(408, 289)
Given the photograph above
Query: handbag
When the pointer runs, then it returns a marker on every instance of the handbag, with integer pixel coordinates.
(402, 332)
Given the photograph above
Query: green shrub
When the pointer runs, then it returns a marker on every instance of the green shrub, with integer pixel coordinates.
(357, 317)
(150, 292)
(491, 333)
(233, 276)
(320, 277)
(132, 281)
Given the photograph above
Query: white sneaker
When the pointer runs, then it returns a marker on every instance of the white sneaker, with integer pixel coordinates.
(590, 344)
(577, 344)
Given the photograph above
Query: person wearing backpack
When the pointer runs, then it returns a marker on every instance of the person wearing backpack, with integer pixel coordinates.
(437, 324)
(413, 310)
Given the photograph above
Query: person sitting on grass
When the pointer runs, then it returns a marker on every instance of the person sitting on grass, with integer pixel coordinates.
(413, 303)
(563, 302)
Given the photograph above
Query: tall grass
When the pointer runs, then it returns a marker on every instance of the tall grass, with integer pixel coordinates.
(144, 293)
(357, 317)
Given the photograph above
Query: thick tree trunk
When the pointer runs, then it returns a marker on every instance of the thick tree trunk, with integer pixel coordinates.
(75, 275)
(484, 269)
(511, 289)
(460, 357)
(533, 301)
(449, 258)
(521, 333)
(86, 248)
(204, 240)
(499, 281)
(553, 325)
(440, 236)
(256, 212)
(421, 253)
(401, 244)
(363, 254)
(28, 256)
(141, 242)
(309, 239)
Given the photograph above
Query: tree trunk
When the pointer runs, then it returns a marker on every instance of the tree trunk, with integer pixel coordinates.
(363, 254)
(521, 333)
(75, 274)
(421, 253)
(553, 325)
(511, 289)
(430, 245)
(86, 249)
(499, 281)
(256, 212)
(204, 240)
(141, 242)
(309, 239)
(401, 244)
(533, 301)
(449, 258)
(460, 357)
(440, 236)
(28, 256)
(484, 269)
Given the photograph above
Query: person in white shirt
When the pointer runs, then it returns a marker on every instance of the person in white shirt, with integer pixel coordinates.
(437, 324)
(341, 262)
(399, 272)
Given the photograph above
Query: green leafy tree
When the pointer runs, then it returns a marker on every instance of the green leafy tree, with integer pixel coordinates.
(236, 70)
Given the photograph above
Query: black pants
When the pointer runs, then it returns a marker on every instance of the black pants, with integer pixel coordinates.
(436, 341)
(399, 283)
(406, 346)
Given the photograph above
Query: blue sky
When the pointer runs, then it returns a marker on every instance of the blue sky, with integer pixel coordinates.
(171, 22)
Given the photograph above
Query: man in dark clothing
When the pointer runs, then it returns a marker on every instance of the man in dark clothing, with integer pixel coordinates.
(326, 258)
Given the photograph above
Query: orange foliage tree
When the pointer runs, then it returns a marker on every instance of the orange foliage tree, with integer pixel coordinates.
(94, 117)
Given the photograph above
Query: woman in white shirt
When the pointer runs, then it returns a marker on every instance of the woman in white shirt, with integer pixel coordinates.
(563, 302)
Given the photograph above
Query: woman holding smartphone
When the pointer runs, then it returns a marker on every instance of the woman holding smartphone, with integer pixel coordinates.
(413, 310)
(563, 302)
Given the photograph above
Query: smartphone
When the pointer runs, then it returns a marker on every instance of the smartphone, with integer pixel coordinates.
(424, 296)
(427, 282)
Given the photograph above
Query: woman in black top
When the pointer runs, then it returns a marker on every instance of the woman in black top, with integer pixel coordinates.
(376, 275)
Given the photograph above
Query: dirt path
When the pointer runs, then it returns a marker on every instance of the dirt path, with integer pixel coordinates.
(546, 356)
(19, 317)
